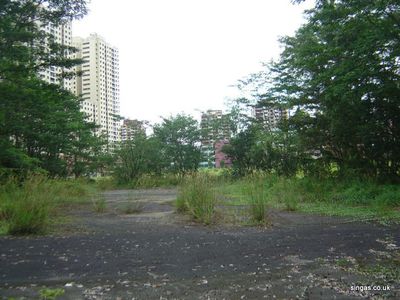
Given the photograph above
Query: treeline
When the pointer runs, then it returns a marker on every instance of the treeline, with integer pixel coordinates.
(41, 126)
(172, 148)
(338, 78)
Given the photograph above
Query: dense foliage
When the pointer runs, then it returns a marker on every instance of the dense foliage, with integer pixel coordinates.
(179, 137)
(41, 126)
(339, 79)
(172, 148)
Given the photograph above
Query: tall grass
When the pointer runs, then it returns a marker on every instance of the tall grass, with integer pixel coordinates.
(152, 181)
(348, 197)
(255, 191)
(197, 197)
(28, 207)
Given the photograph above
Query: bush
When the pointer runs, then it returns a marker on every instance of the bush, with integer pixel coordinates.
(196, 196)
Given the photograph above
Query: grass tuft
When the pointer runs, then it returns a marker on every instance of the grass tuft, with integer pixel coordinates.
(29, 207)
(133, 207)
(99, 204)
(255, 190)
(51, 294)
(196, 197)
(360, 200)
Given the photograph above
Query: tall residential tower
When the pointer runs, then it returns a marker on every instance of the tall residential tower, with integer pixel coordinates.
(62, 35)
(99, 84)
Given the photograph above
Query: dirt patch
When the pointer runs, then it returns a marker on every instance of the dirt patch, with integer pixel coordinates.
(158, 254)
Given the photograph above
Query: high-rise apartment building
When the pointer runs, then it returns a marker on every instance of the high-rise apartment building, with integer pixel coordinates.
(214, 127)
(215, 132)
(62, 35)
(131, 128)
(269, 116)
(99, 84)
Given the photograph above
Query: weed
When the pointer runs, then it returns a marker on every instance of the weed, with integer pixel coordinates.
(357, 199)
(196, 196)
(50, 294)
(106, 183)
(255, 190)
(25, 209)
(99, 204)
(163, 180)
(133, 207)
(343, 262)
(180, 202)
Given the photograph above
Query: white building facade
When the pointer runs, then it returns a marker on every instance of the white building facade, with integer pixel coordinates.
(99, 85)
(269, 116)
(62, 35)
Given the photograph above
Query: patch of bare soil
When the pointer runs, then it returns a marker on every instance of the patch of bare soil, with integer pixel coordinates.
(141, 249)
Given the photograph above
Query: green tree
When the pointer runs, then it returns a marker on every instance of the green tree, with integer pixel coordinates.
(41, 125)
(132, 159)
(180, 140)
(138, 156)
(241, 150)
(258, 148)
(340, 72)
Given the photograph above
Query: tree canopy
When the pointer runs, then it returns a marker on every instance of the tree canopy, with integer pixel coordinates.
(339, 78)
(41, 126)
(179, 137)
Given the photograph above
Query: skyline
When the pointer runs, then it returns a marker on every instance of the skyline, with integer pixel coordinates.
(185, 57)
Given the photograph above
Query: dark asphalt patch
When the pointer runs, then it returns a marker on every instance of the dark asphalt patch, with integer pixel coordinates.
(168, 258)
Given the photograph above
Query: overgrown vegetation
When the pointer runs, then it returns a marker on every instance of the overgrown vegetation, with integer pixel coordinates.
(255, 192)
(99, 204)
(51, 294)
(132, 207)
(365, 200)
(197, 197)
(335, 149)
(29, 207)
(41, 126)
(336, 80)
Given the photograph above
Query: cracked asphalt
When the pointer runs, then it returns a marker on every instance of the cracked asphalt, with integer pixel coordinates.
(158, 254)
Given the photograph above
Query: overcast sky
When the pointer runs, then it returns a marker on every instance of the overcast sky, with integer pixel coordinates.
(183, 55)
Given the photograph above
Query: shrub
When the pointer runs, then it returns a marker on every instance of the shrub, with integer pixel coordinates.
(196, 196)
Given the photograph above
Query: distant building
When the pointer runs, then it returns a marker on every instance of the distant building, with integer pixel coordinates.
(221, 159)
(99, 85)
(269, 116)
(215, 128)
(62, 35)
(130, 128)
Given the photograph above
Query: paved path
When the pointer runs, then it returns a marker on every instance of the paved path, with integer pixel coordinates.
(158, 254)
